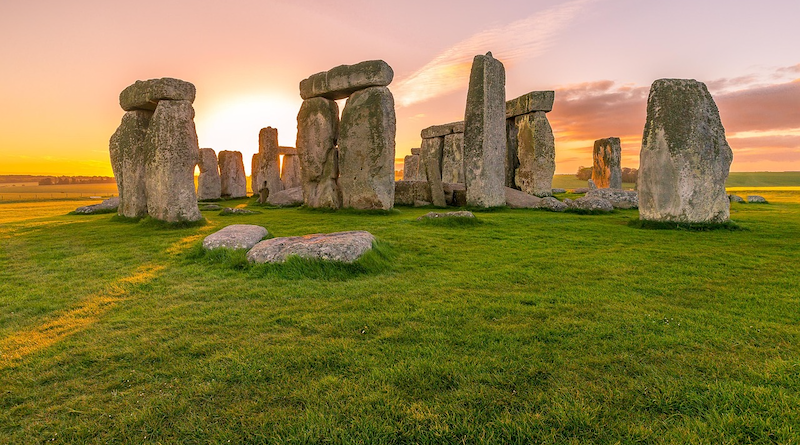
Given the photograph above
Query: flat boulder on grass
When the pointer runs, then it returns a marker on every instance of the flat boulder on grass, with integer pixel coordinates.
(236, 211)
(554, 191)
(340, 246)
(620, 199)
(236, 236)
(287, 197)
(435, 215)
(108, 206)
(755, 199)
(735, 198)
(590, 204)
(517, 199)
(552, 204)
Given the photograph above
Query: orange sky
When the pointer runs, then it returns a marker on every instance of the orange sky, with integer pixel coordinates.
(66, 62)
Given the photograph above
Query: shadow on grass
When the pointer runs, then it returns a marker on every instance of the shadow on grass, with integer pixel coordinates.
(691, 227)
(376, 261)
(152, 223)
(349, 211)
(576, 211)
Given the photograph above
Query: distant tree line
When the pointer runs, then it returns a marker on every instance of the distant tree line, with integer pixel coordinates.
(64, 180)
(628, 174)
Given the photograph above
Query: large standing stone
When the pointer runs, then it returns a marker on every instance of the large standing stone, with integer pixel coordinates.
(343, 80)
(511, 161)
(270, 169)
(256, 183)
(432, 160)
(607, 167)
(366, 150)
(208, 183)
(317, 131)
(411, 168)
(536, 153)
(172, 155)
(129, 157)
(231, 172)
(685, 158)
(290, 172)
(453, 158)
(484, 133)
(145, 94)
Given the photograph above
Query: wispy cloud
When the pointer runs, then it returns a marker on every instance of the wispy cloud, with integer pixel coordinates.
(518, 40)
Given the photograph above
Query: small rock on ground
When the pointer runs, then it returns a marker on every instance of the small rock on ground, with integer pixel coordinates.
(460, 214)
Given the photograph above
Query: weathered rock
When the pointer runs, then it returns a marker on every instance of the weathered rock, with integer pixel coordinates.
(145, 94)
(581, 190)
(270, 167)
(172, 155)
(530, 103)
(685, 158)
(235, 236)
(536, 152)
(209, 185)
(129, 157)
(210, 207)
(591, 204)
(256, 182)
(410, 169)
(559, 191)
(416, 151)
(409, 192)
(517, 199)
(437, 131)
(485, 133)
(419, 203)
(317, 131)
(592, 185)
(366, 150)
(231, 172)
(552, 204)
(606, 166)
(453, 158)
(735, 198)
(511, 160)
(755, 199)
(237, 211)
(340, 246)
(107, 206)
(455, 193)
(434, 215)
(290, 172)
(287, 150)
(343, 80)
(287, 197)
(620, 199)
(432, 161)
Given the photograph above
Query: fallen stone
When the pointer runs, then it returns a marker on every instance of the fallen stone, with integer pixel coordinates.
(366, 150)
(270, 166)
(517, 199)
(145, 94)
(581, 190)
(235, 236)
(209, 185)
(342, 81)
(590, 204)
(755, 199)
(685, 158)
(233, 182)
(421, 203)
(172, 156)
(209, 207)
(317, 131)
(485, 133)
(287, 197)
(530, 103)
(432, 161)
(341, 246)
(552, 204)
(536, 152)
(606, 165)
(238, 211)
(129, 158)
(555, 191)
(735, 198)
(436, 131)
(453, 158)
(434, 215)
(107, 206)
(620, 199)
(409, 192)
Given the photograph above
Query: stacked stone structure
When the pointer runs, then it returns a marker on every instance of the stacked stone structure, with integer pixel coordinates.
(530, 145)
(209, 185)
(441, 158)
(154, 151)
(685, 158)
(231, 171)
(348, 163)
(606, 163)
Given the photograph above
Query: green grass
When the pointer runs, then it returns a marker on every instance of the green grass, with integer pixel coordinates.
(531, 327)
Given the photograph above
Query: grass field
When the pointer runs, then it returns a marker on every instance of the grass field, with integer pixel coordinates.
(528, 327)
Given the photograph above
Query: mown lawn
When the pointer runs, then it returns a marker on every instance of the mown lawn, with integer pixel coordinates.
(528, 327)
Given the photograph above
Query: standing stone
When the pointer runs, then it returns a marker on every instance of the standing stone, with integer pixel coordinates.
(129, 154)
(536, 151)
(208, 183)
(290, 172)
(366, 150)
(255, 174)
(685, 158)
(173, 153)
(270, 160)
(512, 160)
(484, 133)
(411, 168)
(231, 172)
(431, 160)
(453, 158)
(607, 167)
(317, 131)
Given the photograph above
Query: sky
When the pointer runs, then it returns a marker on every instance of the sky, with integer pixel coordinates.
(64, 64)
